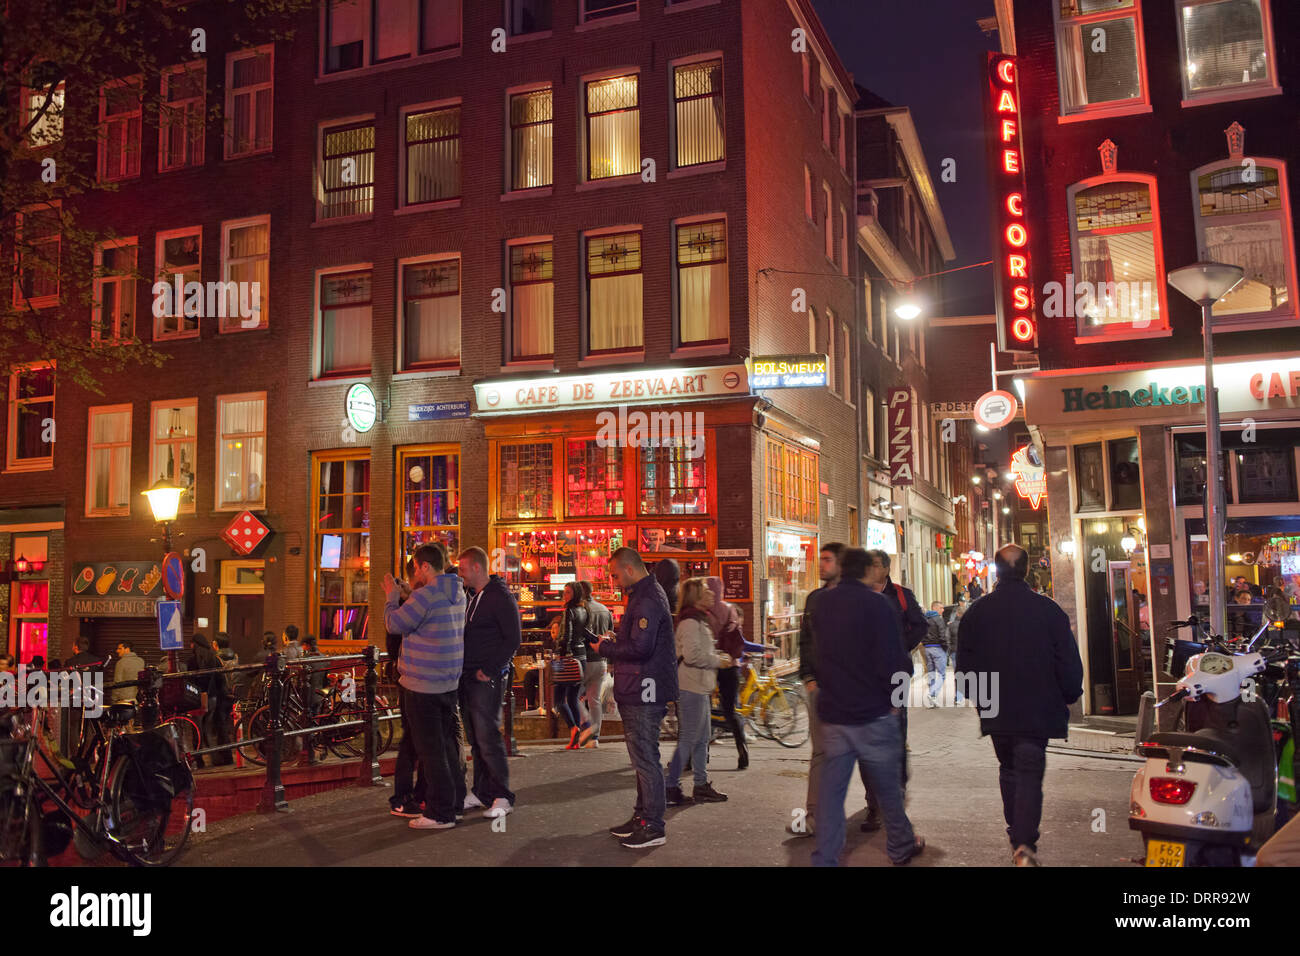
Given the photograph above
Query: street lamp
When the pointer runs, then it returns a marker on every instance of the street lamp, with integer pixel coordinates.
(1205, 283)
(164, 500)
(907, 310)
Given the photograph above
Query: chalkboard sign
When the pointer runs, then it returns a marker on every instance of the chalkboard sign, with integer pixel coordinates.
(737, 580)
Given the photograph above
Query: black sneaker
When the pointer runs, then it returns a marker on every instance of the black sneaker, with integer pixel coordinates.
(872, 823)
(625, 829)
(645, 837)
(705, 793)
(675, 798)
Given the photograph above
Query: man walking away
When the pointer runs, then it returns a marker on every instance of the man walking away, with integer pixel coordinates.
(432, 625)
(599, 620)
(492, 636)
(1019, 645)
(859, 658)
(828, 569)
(936, 652)
(644, 659)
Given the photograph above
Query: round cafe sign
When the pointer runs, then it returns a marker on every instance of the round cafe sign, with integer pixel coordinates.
(361, 407)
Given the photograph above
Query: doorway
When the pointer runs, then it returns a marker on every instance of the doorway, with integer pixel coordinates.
(1126, 636)
(242, 592)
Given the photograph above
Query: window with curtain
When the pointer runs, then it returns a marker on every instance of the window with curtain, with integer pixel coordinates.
(173, 445)
(432, 155)
(529, 16)
(526, 480)
(598, 9)
(614, 292)
(120, 122)
(593, 483)
(532, 127)
(113, 312)
(394, 26)
(697, 89)
(672, 482)
(613, 127)
(31, 418)
(241, 465)
(429, 479)
(345, 33)
(1224, 45)
(1116, 253)
(345, 299)
(702, 293)
(39, 238)
(1098, 53)
(108, 462)
(182, 117)
(1245, 222)
(362, 33)
(347, 171)
(341, 549)
(178, 253)
(532, 301)
(440, 25)
(431, 314)
(249, 94)
(48, 129)
(246, 260)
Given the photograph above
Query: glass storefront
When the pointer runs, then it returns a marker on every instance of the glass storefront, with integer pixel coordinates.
(341, 545)
(791, 576)
(1261, 560)
(429, 509)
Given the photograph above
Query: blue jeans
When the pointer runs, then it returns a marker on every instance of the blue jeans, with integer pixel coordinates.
(480, 709)
(878, 747)
(641, 731)
(693, 732)
(936, 666)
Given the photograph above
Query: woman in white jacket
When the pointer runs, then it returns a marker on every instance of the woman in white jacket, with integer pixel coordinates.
(697, 675)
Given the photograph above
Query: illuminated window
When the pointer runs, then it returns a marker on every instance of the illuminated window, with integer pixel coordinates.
(1119, 273)
(120, 126)
(1243, 218)
(526, 480)
(532, 129)
(249, 96)
(178, 253)
(241, 451)
(702, 294)
(593, 479)
(29, 602)
(31, 418)
(43, 105)
(431, 314)
(613, 127)
(429, 481)
(697, 89)
(1226, 46)
(38, 240)
(614, 292)
(108, 461)
(432, 156)
(173, 444)
(1099, 54)
(347, 170)
(246, 261)
(345, 300)
(673, 482)
(341, 545)
(792, 490)
(182, 118)
(113, 310)
(532, 301)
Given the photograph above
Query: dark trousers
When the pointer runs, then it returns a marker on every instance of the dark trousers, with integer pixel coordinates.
(728, 688)
(641, 724)
(480, 707)
(408, 767)
(433, 722)
(1022, 761)
(566, 703)
(872, 806)
(218, 725)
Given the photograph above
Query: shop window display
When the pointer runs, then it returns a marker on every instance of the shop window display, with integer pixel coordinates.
(594, 479)
(538, 563)
(1261, 558)
(342, 549)
(430, 488)
(525, 481)
(673, 482)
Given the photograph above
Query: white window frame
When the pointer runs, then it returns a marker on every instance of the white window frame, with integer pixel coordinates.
(250, 91)
(327, 126)
(218, 504)
(368, 61)
(585, 122)
(318, 372)
(402, 364)
(1265, 87)
(673, 66)
(126, 118)
(28, 108)
(155, 443)
(180, 112)
(168, 276)
(403, 148)
(1120, 331)
(98, 283)
(46, 462)
(226, 227)
(91, 510)
(1289, 312)
(1139, 104)
(40, 301)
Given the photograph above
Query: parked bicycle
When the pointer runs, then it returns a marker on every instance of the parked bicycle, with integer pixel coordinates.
(770, 707)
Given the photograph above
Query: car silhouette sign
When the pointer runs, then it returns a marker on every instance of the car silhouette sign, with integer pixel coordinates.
(995, 409)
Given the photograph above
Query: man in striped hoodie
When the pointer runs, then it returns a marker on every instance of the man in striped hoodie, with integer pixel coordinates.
(432, 625)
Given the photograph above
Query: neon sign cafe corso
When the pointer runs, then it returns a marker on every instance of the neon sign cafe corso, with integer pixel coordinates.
(1126, 468)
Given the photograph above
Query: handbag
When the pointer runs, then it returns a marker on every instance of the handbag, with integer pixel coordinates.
(566, 670)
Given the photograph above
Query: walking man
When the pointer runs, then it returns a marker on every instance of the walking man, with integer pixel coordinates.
(599, 620)
(1019, 645)
(644, 659)
(860, 656)
(432, 625)
(492, 636)
(936, 652)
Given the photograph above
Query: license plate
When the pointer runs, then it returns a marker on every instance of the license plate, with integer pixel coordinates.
(1164, 853)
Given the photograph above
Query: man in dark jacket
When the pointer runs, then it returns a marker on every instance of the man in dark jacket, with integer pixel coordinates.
(217, 688)
(861, 662)
(492, 636)
(644, 660)
(669, 575)
(1028, 672)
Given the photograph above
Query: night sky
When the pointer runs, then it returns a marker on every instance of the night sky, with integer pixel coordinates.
(929, 55)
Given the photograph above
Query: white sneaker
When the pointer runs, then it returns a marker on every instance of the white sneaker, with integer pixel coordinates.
(425, 823)
(500, 807)
(472, 802)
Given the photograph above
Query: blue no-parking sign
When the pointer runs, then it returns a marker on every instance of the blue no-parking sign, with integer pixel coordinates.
(170, 629)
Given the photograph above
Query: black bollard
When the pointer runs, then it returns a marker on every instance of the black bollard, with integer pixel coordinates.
(369, 774)
(273, 797)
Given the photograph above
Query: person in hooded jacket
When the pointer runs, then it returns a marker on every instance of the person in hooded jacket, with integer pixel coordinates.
(724, 618)
(572, 642)
(669, 575)
(599, 620)
(697, 667)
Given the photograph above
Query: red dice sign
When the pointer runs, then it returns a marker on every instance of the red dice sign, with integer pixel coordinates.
(245, 533)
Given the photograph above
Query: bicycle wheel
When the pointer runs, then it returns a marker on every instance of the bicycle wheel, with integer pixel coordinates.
(148, 835)
(258, 723)
(786, 717)
(188, 734)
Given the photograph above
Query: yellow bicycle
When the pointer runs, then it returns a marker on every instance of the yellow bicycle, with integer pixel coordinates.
(774, 708)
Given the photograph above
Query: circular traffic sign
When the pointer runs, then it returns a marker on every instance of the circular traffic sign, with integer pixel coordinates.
(173, 568)
(995, 409)
(361, 407)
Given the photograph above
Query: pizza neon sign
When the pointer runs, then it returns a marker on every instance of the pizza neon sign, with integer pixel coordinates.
(1017, 325)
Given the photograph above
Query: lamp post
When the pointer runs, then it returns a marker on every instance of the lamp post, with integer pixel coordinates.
(164, 501)
(1205, 283)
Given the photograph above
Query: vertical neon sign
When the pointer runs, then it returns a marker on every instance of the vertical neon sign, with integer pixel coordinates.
(1013, 281)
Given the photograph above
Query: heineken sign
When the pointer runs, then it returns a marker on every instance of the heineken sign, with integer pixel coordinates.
(1079, 399)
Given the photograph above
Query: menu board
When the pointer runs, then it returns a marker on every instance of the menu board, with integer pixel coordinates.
(115, 589)
(737, 580)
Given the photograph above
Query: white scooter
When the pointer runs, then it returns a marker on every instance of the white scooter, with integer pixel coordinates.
(1207, 797)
